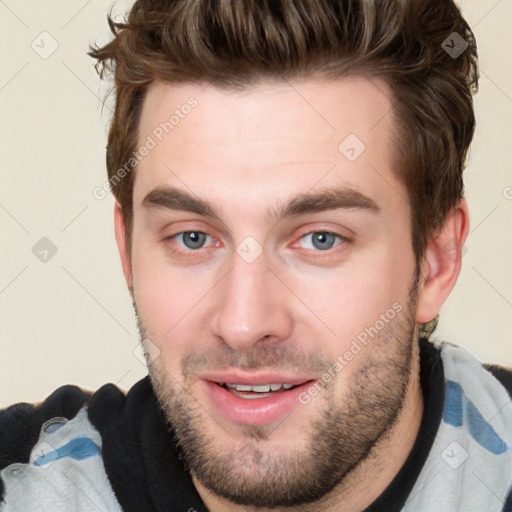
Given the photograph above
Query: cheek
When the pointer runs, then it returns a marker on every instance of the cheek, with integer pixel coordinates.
(170, 301)
(345, 301)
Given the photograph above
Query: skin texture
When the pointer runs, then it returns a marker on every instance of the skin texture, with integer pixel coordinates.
(282, 304)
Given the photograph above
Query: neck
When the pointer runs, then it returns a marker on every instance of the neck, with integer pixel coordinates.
(371, 477)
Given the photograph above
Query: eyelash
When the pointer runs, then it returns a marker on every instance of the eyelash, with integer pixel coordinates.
(342, 240)
(188, 253)
(191, 253)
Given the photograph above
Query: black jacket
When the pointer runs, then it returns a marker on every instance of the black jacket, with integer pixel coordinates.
(140, 455)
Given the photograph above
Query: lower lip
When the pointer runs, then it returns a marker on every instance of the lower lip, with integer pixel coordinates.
(256, 411)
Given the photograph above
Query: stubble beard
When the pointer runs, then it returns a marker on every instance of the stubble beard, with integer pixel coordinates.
(252, 472)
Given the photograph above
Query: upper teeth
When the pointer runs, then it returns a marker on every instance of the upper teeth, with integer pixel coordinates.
(264, 388)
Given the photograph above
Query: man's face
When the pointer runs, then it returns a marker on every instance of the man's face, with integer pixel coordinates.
(270, 248)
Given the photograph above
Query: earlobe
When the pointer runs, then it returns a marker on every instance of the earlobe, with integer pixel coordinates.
(442, 262)
(124, 251)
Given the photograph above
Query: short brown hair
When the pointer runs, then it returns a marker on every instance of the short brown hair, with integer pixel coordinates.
(236, 43)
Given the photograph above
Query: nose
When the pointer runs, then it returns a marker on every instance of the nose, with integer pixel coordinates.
(251, 305)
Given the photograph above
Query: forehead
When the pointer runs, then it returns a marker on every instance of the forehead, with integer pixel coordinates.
(279, 136)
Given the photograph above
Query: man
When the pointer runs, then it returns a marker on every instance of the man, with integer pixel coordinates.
(290, 217)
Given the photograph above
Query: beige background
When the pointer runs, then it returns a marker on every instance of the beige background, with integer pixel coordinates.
(70, 320)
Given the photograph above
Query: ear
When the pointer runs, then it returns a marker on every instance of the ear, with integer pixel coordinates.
(124, 251)
(441, 263)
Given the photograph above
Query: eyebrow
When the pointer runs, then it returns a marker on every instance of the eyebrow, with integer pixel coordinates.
(330, 199)
(176, 199)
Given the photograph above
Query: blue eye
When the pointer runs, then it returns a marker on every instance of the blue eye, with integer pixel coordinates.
(320, 241)
(192, 239)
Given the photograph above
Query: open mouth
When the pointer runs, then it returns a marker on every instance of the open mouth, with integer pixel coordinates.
(256, 392)
(254, 398)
